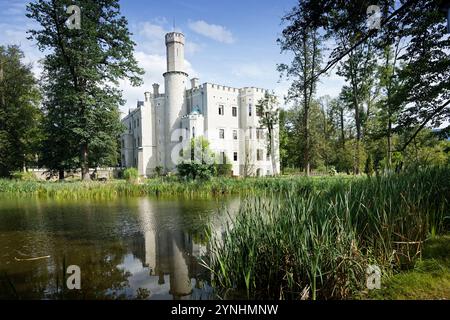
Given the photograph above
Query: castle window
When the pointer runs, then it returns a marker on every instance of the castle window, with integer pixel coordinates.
(221, 133)
(235, 134)
(259, 155)
(234, 111)
(259, 133)
(139, 142)
(137, 122)
(221, 111)
(193, 132)
(235, 156)
(249, 110)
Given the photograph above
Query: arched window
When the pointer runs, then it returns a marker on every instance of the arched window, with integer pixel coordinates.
(193, 132)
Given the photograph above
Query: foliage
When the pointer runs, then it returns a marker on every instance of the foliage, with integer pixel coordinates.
(318, 244)
(20, 134)
(268, 111)
(198, 161)
(23, 175)
(131, 174)
(305, 45)
(82, 69)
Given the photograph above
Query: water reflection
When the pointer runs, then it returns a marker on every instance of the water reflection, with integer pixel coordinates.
(142, 248)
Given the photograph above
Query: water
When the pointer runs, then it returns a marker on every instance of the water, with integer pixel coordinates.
(128, 248)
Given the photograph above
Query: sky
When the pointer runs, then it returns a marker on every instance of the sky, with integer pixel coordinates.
(229, 42)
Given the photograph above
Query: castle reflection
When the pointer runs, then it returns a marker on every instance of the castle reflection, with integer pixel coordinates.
(169, 254)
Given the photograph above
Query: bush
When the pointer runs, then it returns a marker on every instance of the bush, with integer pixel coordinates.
(23, 175)
(159, 171)
(131, 174)
(332, 171)
(223, 170)
(194, 170)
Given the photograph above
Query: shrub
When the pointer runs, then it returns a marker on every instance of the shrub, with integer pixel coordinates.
(223, 170)
(332, 171)
(159, 171)
(131, 174)
(23, 175)
(194, 170)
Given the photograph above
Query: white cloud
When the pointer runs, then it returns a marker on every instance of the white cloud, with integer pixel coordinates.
(212, 31)
(153, 38)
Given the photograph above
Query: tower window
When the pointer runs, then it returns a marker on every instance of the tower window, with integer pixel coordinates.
(235, 156)
(221, 133)
(234, 111)
(193, 132)
(249, 110)
(221, 110)
(235, 134)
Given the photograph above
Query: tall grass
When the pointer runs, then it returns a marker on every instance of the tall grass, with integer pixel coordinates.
(160, 186)
(318, 244)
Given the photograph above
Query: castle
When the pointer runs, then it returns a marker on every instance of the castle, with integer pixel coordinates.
(160, 127)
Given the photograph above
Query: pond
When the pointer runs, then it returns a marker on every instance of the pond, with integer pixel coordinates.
(127, 248)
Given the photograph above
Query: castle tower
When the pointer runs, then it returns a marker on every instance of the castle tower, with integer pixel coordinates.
(176, 80)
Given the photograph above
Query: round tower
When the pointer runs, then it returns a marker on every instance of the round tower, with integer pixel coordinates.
(175, 86)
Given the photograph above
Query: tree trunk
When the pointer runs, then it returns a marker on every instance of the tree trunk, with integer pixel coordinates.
(85, 163)
(306, 156)
(272, 151)
(342, 128)
(389, 144)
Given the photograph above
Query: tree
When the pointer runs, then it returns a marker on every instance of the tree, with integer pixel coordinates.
(20, 134)
(198, 161)
(424, 92)
(268, 111)
(305, 44)
(86, 64)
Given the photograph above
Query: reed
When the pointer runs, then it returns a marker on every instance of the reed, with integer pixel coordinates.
(169, 186)
(318, 243)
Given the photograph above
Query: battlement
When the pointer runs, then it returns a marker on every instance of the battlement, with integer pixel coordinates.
(175, 37)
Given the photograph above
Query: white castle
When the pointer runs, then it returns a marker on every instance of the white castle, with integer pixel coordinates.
(161, 125)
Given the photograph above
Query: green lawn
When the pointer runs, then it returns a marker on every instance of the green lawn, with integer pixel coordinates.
(430, 278)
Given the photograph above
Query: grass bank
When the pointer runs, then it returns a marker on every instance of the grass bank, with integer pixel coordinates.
(429, 279)
(171, 186)
(318, 244)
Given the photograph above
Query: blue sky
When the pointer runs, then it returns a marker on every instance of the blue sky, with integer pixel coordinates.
(227, 42)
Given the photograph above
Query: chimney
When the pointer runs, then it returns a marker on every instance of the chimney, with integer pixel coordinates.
(155, 89)
(194, 82)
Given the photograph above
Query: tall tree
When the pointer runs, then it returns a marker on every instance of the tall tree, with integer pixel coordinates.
(268, 111)
(19, 112)
(83, 67)
(305, 44)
